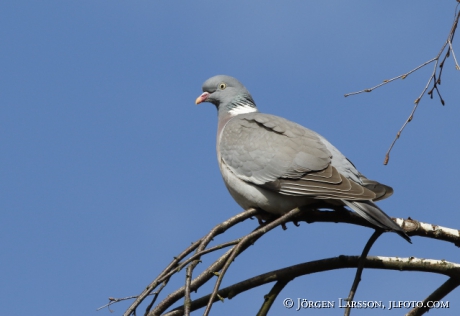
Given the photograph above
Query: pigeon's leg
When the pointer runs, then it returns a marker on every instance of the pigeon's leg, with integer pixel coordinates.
(263, 217)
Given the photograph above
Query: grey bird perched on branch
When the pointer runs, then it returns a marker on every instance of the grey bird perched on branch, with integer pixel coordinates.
(276, 165)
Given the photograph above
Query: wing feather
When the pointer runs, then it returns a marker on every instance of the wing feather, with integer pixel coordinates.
(290, 159)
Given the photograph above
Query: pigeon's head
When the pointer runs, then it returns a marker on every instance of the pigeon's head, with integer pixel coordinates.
(228, 95)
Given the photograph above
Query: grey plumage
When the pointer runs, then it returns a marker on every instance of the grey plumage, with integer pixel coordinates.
(274, 164)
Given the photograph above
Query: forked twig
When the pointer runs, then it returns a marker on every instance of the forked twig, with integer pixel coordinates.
(403, 76)
(175, 264)
(245, 242)
(271, 297)
(291, 272)
(113, 300)
(434, 78)
(411, 226)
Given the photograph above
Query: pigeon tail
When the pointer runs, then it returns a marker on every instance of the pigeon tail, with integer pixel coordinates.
(374, 215)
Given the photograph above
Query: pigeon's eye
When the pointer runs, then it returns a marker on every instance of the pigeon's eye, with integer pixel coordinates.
(222, 86)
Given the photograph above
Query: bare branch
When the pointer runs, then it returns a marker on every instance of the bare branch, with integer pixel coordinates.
(222, 227)
(195, 284)
(447, 287)
(403, 76)
(249, 239)
(155, 296)
(435, 79)
(453, 55)
(416, 228)
(412, 227)
(116, 300)
(359, 271)
(188, 281)
(341, 262)
(271, 297)
(158, 280)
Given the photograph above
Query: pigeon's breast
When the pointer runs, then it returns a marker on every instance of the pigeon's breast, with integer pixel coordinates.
(252, 196)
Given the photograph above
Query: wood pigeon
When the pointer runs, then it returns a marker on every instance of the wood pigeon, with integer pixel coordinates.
(276, 165)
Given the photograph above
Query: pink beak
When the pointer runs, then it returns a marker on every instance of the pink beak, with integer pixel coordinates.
(202, 97)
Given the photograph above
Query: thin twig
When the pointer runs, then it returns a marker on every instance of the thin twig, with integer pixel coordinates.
(209, 272)
(251, 238)
(113, 300)
(197, 256)
(188, 275)
(449, 40)
(219, 229)
(411, 116)
(403, 76)
(342, 262)
(453, 55)
(377, 233)
(187, 299)
(447, 287)
(155, 296)
(271, 296)
(170, 269)
(183, 264)
(411, 226)
(155, 282)
(204, 277)
(436, 82)
(166, 277)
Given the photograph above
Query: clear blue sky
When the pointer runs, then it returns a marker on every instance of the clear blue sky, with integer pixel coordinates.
(108, 169)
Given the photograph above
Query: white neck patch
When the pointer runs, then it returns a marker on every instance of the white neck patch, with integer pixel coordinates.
(242, 109)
